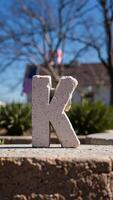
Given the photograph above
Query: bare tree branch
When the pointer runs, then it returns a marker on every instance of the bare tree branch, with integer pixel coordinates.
(38, 27)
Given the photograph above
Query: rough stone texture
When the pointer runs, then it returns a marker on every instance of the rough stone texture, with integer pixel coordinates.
(44, 111)
(85, 173)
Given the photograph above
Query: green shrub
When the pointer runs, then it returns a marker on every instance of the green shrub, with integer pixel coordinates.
(15, 118)
(91, 117)
(86, 117)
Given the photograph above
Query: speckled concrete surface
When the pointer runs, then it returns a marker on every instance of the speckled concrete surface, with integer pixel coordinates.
(44, 111)
(98, 151)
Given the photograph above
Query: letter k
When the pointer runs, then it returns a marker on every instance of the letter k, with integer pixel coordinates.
(44, 111)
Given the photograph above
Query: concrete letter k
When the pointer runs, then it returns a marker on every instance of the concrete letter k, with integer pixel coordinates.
(44, 111)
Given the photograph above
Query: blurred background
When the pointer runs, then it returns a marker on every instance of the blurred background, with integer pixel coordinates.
(56, 37)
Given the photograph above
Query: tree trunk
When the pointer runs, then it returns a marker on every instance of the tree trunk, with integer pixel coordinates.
(111, 88)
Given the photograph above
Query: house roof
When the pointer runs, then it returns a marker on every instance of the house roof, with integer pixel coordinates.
(88, 74)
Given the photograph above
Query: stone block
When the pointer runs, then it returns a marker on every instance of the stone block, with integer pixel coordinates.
(85, 173)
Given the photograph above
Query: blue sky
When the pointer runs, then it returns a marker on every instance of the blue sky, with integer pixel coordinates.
(13, 76)
(15, 73)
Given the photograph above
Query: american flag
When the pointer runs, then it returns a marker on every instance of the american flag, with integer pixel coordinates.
(31, 70)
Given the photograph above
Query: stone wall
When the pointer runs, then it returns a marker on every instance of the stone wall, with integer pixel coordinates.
(94, 139)
(85, 173)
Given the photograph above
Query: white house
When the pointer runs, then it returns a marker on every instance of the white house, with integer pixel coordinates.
(92, 78)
